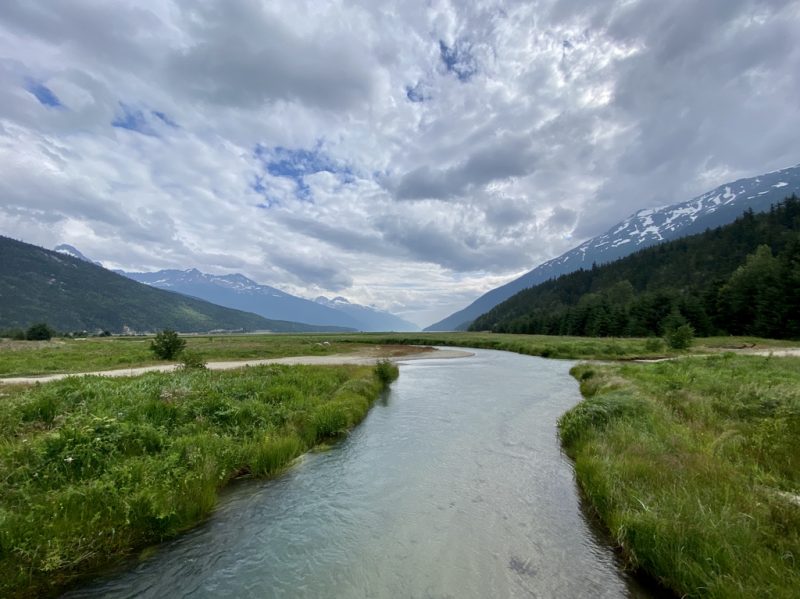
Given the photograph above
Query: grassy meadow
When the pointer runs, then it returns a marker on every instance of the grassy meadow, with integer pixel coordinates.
(92, 468)
(570, 348)
(21, 358)
(694, 467)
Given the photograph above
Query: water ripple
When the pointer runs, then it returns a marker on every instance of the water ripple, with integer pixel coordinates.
(455, 486)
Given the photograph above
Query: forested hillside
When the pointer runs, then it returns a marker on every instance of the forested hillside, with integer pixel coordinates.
(739, 279)
(70, 294)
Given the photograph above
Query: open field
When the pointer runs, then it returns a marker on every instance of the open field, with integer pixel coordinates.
(93, 467)
(693, 465)
(18, 358)
(24, 358)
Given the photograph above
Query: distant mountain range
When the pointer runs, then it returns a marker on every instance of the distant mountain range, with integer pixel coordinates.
(642, 229)
(370, 319)
(70, 293)
(239, 292)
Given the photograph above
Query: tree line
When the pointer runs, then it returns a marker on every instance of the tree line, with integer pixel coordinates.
(739, 279)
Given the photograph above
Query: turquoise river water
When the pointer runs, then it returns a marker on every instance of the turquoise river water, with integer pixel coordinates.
(453, 486)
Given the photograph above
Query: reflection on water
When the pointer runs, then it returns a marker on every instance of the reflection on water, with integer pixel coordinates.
(454, 486)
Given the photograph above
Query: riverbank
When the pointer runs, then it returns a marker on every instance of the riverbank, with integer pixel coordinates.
(455, 485)
(70, 356)
(360, 357)
(693, 466)
(93, 468)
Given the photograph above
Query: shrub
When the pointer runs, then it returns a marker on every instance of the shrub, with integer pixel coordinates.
(680, 337)
(39, 332)
(654, 344)
(192, 361)
(167, 345)
(385, 371)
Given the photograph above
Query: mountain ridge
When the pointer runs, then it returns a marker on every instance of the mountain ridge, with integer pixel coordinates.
(737, 279)
(73, 294)
(240, 292)
(642, 229)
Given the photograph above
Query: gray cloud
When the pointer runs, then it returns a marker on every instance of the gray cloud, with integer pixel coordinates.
(562, 218)
(506, 156)
(541, 124)
(435, 242)
(702, 96)
(243, 56)
(310, 270)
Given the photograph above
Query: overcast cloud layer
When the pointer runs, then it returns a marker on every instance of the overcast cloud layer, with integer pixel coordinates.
(410, 155)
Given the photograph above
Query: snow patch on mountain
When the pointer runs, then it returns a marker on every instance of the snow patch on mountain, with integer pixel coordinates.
(68, 250)
(644, 228)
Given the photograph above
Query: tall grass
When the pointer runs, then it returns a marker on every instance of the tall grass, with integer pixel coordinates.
(92, 468)
(693, 465)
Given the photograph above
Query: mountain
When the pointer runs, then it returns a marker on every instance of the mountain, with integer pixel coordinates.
(239, 292)
(68, 250)
(370, 318)
(739, 279)
(642, 229)
(72, 294)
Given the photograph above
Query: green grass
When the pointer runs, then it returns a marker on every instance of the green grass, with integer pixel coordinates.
(688, 462)
(22, 358)
(571, 348)
(92, 468)
(694, 466)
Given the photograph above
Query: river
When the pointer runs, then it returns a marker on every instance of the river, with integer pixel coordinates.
(453, 486)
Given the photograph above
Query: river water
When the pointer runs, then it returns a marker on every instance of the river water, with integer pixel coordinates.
(453, 486)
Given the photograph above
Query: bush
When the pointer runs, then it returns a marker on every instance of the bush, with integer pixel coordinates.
(654, 344)
(192, 361)
(39, 332)
(167, 345)
(385, 371)
(680, 337)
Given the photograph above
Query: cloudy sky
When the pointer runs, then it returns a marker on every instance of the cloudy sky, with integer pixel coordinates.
(406, 154)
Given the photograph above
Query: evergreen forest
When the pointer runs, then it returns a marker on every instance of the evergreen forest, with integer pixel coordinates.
(738, 279)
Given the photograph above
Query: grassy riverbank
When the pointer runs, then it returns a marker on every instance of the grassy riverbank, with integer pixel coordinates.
(92, 468)
(694, 467)
(30, 358)
(569, 348)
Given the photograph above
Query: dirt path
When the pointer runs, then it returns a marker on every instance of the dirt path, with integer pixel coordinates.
(366, 356)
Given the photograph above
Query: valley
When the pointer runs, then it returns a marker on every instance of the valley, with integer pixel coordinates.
(54, 430)
(326, 299)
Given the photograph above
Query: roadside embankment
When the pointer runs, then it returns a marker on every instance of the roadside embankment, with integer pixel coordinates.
(693, 466)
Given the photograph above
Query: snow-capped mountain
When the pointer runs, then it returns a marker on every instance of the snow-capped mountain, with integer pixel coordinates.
(372, 318)
(68, 250)
(642, 229)
(237, 291)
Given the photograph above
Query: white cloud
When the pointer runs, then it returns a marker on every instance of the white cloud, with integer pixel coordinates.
(531, 125)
